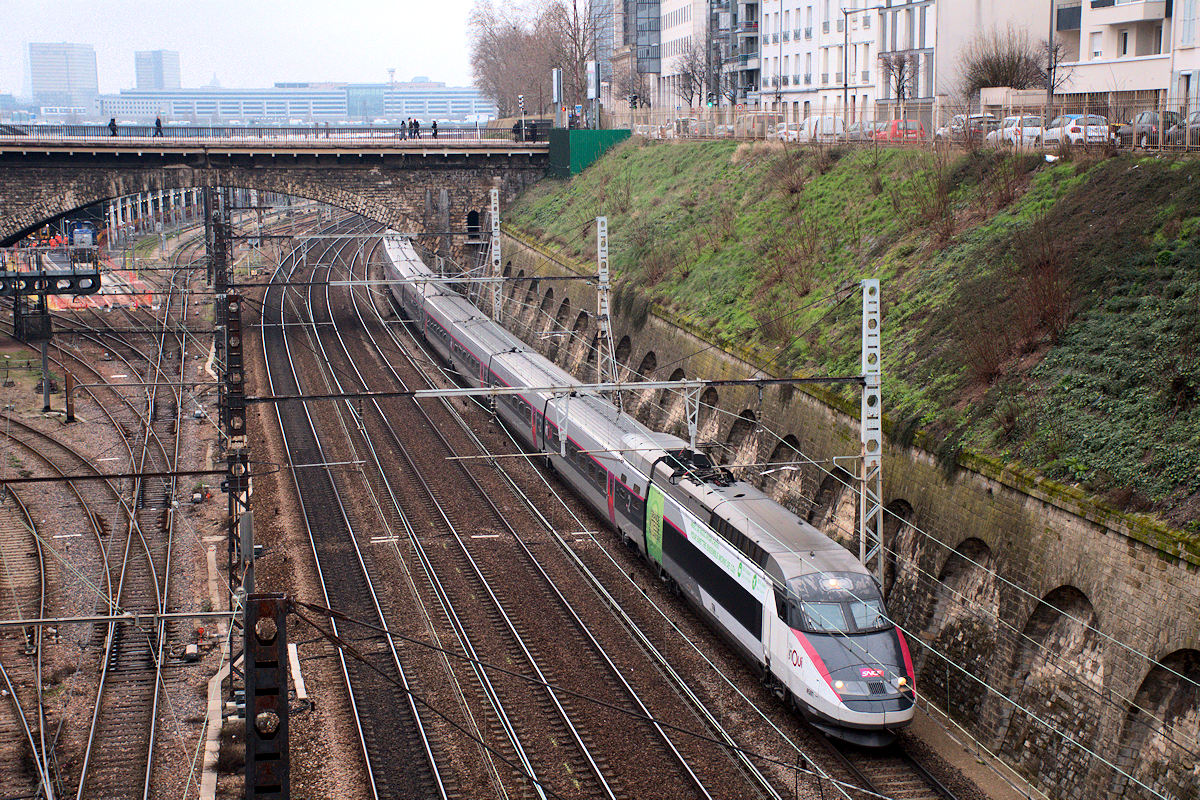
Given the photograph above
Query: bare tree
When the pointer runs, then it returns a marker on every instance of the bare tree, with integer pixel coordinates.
(1054, 56)
(625, 85)
(693, 66)
(900, 72)
(514, 49)
(1001, 58)
(572, 31)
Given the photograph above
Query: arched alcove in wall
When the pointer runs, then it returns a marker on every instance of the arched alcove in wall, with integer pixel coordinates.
(962, 628)
(1160, 735)
(1057, 669)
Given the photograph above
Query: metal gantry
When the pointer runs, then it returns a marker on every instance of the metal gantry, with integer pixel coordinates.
(870, 508)
(497, 293)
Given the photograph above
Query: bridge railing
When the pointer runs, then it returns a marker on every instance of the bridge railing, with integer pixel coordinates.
(314, 135)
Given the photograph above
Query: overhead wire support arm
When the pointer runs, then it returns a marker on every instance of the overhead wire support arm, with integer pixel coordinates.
(622, 386)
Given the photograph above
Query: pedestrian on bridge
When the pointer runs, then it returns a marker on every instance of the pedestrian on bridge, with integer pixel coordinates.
(158, 126)
(112, 126)
(434, 129)
(416, 127)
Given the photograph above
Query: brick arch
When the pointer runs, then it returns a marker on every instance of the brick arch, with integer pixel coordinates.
(962, 628)
(785, 479)
(740, 432)
(1057, 669)
(624, 351)
(558, 326)
(1163, 756)
(900, 543)
(835, 507)
(648, 367)
(390, 188)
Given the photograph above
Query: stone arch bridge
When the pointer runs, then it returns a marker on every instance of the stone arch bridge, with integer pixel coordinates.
(420, 185)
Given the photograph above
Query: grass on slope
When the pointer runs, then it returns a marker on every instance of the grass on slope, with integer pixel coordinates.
(1040, 312)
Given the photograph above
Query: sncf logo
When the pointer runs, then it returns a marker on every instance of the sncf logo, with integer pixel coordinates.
(870, 672)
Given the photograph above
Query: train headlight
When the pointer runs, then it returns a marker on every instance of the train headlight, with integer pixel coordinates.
(902, 681)
(839, 685)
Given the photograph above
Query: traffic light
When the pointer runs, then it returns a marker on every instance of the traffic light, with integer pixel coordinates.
(633, 101)
(712, 98)
(521, 102)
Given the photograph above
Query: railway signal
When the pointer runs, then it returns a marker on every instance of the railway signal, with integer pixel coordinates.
(266, 669)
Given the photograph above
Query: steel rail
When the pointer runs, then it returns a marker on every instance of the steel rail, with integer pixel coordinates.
(271, 380)
(574, 558)
(550, 583)
(458, 626)
(42, 760)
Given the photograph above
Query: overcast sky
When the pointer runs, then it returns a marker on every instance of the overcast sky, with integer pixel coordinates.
(248, 43)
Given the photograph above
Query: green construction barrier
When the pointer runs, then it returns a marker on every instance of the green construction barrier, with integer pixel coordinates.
(573, 151)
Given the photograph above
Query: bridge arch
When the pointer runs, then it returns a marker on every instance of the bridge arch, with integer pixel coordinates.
(407, 188)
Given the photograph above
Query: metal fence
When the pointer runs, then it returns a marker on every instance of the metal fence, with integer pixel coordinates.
(317, 134)
(1155, 124)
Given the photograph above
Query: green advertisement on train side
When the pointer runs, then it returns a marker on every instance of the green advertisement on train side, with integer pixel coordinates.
(654, 523)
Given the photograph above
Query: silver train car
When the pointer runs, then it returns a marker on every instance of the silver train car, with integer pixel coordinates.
(792, 601)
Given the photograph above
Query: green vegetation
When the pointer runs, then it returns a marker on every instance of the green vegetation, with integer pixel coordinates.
(1047, 314)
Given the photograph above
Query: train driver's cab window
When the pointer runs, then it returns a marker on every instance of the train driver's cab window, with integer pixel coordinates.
(835, 602)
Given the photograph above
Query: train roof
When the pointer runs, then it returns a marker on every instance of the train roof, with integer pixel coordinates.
(794, 543)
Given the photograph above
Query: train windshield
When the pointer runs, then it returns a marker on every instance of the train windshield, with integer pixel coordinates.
(836, 602)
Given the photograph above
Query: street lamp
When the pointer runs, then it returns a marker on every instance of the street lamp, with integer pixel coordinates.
(846, 12)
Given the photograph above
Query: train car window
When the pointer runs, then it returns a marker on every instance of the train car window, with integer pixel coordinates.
(838, 602)
(868, 615)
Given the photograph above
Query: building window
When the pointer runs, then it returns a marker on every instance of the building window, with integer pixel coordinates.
(1123, 43)
(1095, 45)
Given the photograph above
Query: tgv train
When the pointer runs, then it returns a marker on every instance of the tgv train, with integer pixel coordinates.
(791, 600)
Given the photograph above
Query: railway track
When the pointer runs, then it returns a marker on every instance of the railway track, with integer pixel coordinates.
(890, 773)
(397, 753)
(27, 766)
(493, 541)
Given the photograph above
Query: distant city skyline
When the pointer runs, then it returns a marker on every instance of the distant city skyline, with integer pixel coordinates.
(246, 45)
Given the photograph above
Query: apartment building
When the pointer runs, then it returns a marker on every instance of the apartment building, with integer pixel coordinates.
(1129, 53)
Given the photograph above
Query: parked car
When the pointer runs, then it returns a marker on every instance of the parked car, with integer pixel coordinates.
(1076, 129)
(999, 136)
(1017, 130)
(787, 131)
(900, 130)
(821, 129)
(962, 127)
(1146, 128)
(1187, 135)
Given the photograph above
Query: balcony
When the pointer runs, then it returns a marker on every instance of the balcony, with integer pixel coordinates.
(808, 79)
(796, 80)
(786, 35)
(1116, 12)
(841, 25)
(837, 78)
(866, 76)
(866, 21)
(774, 38)
(808, 32)
(1068, 17)
(824, 78)
(748, 28)
(825, 26)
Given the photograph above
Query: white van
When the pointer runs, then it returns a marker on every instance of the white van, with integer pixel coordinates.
(821, 129)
